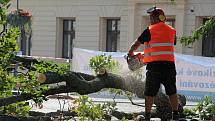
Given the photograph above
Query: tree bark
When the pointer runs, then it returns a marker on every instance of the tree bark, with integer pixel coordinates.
(75, 82)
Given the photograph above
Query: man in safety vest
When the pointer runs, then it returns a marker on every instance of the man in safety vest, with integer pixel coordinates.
(159, 41)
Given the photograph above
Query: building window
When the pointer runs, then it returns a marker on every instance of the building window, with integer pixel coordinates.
(113, 34)
(208, 43)
(68, 36)
(171, 22)
(24, 42)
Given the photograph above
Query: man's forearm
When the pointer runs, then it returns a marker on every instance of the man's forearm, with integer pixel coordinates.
(134, 46)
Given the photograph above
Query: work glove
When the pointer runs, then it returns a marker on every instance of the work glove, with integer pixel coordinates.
(130, 54)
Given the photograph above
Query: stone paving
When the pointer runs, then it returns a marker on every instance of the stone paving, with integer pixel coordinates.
(123, 104)
(53, 105)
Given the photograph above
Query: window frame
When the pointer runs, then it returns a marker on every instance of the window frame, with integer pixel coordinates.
(110, 33)
(72, 33)
(172, 20)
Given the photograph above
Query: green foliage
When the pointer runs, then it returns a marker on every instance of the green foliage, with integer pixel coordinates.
(121, 92)
(3, 16)
(4, 1)
(10, 78)
(197, 34)
(109, 107)
(50, 66)
(205, 109)
(17, 109)
(189, 113)
(101, 63)
(25, 83)
(32, 85)
(4, 6)
(8, 46)
(116, 91)
(124, 119)
(7, 53)
(86, 109)
(8, 81)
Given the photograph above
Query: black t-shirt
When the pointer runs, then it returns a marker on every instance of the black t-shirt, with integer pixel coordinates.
(157, 65)
(145, 36)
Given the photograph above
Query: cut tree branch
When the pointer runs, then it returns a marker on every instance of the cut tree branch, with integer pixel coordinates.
(86, 84)
(73, 84)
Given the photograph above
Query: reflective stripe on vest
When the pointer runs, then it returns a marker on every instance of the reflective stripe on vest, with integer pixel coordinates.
(159, 53)
(149, 48)
(157, 45)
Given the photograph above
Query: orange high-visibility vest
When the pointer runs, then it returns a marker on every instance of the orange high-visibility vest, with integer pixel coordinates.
(161, 45)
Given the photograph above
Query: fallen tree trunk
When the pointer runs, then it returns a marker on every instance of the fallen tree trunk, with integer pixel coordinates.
(86, 84)
(75, 82)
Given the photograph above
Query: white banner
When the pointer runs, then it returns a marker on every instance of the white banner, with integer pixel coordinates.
(81, 60)
(195, 74)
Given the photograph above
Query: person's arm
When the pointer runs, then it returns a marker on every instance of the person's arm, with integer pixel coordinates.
(134, 47)
(144, 37)
(175, 41)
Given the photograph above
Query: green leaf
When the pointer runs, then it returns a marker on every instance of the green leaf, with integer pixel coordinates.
(198, 33)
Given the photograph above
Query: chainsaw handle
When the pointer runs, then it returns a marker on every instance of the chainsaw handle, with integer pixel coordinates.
(134, 62)
(127, 57)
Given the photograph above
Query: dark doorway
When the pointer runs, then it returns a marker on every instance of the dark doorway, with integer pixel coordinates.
(208, 43)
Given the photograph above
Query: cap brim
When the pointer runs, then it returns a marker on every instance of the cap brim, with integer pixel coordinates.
(150, 10)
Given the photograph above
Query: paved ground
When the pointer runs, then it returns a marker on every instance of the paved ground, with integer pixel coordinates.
(123, 104)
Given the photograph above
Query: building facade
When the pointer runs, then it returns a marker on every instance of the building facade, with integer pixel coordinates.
(109, 25)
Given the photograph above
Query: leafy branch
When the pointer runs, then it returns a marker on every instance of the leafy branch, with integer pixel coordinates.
(102, 63)
(200, 32)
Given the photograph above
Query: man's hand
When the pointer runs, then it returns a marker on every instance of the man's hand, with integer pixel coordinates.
(130, 54)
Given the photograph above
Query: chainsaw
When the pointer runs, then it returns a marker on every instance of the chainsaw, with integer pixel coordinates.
(135, 62)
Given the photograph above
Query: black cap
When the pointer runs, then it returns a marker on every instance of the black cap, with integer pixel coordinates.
(150, 10)
(156, 11)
